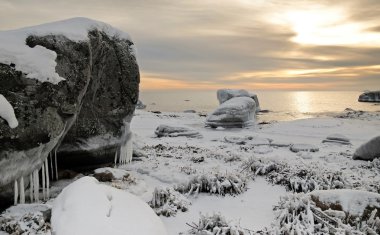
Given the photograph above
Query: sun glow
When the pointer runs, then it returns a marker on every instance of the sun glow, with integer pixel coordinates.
(328, 26)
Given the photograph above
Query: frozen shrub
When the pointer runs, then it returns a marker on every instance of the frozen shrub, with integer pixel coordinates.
(216, 225)
(214, 184)
(167, 202)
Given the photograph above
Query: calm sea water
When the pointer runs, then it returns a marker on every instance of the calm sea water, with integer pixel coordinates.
(283, 105)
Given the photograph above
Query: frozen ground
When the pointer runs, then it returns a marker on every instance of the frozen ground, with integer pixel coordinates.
(174, 162)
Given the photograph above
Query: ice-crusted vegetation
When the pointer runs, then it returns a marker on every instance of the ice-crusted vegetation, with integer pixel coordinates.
(298, 214)
(306, 178)
(216, 224)
(167, 201)
(221, 184)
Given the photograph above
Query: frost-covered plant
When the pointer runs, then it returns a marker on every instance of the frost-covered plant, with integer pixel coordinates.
(297, 178)
(30, 223)
(216, 225)
(167, 202)
(215, 184)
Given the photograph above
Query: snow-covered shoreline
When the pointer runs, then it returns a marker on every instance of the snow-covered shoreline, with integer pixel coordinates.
(172, 162)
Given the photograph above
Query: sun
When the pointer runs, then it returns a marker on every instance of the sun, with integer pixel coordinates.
(320, 25)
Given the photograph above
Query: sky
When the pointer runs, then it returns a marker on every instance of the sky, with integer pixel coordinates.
(250, 44)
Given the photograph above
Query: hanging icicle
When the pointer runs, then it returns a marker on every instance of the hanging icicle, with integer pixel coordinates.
(43, 181)
(55, 162)
(15, 192)
(31, 188)
(36, 185)
(126, 147)
(47, 179)
(51, 165)
(22, 190)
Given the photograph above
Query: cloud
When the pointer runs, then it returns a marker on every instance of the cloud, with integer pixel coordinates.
(218, 43)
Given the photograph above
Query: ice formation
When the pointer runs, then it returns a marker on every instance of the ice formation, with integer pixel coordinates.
(7, 112)
(126, 147)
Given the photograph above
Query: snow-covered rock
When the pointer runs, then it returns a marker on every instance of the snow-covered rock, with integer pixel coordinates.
(369, 150)
(175, 131)
(68, 82)
(355, 203)
(304, 147)
(337, 139)
(88, 207)
(140, 105)
(235, 112)
(226, 94)
(370, 96)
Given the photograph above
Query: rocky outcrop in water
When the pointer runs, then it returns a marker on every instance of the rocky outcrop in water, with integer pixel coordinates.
(87, 114)
(226, 94)
(370, 96)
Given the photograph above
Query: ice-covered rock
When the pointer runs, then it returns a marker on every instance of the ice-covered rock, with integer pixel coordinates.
(226, 94)
(140, 105)
(370, 96)
(369, 150)
(304, 147)
(175, 131)
(337, 139)
(88, 207)
(235, 112)
(76, 78)
(355, 203)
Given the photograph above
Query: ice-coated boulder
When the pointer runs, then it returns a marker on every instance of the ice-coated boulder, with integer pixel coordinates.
(73, 82)
(337, 139)
(140, 105)
(175, 131)
(369, 150)
(370, 96)
(235, 112)
(226, 94)
(87, 207)
(356, 204)
(303, 147)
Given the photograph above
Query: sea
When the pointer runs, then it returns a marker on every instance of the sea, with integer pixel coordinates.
(280, 105)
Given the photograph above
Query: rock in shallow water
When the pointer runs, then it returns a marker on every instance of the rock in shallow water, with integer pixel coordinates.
(235, 112)
(369, 150)
(227, 94)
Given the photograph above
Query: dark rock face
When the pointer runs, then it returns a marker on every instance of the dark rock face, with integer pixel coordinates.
(108, 103)
(96, 100)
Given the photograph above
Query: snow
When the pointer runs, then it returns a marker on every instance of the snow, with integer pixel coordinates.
(39, 62)
(88, 207)
(7, 112)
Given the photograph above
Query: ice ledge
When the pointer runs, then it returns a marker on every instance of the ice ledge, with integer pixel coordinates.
(38, 62)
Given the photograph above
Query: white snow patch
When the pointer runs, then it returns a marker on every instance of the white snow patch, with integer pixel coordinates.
(7, 112)
(39, 62)
(88, 207)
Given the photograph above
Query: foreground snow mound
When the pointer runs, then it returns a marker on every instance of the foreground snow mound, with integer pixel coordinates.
(88, 207)
(235, 112)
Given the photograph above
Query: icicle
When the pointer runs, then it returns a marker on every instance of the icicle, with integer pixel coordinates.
(15, 193)
(115, 157)
(129, 149)
(55, 162)
(36, 185)
(43, 181)
(31, 190)
(47, 179)
(22, 190)
(51, 165)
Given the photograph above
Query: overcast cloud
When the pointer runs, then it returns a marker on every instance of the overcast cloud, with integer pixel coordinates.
(254, 44)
